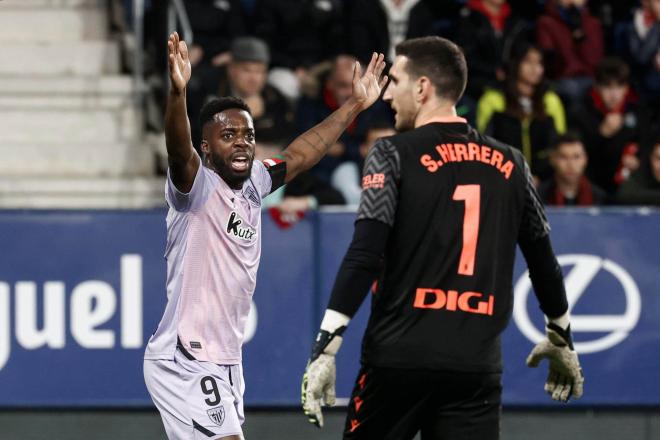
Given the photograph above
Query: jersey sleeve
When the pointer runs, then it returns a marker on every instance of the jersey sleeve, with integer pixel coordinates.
(275, 168)
(380, 183)
(199, 193)
(534, 223)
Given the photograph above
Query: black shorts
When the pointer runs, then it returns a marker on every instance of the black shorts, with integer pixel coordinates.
(395, 404)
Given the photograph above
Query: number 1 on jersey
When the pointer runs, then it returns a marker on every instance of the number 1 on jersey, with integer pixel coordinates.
(471, 195)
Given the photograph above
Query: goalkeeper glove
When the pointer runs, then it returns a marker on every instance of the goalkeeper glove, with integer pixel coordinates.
(318, 384)
(565, 378)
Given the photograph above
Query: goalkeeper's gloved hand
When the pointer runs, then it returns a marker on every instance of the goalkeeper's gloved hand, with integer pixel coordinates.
(565, 378)
(318, 384)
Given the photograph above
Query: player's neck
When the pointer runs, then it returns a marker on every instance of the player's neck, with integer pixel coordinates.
(434, 113)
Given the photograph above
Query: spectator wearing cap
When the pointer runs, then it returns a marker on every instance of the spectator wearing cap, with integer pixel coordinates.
(643, 187)
(612, 124)
(245, 77)
(569, 186)
(573, 43)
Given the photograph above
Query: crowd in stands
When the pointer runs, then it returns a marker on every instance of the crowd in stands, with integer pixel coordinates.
(573, 84)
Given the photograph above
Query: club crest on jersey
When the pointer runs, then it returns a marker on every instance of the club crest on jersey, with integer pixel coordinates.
(217, 415)
(252, 196)
(234, 227)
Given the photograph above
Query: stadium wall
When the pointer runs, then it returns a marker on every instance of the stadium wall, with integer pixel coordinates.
(81, 291)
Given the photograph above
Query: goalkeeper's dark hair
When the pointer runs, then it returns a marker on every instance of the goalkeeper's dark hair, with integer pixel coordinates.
(442, 61)
(218, 105)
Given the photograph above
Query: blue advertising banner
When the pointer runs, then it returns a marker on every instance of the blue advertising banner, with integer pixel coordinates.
(80, 293)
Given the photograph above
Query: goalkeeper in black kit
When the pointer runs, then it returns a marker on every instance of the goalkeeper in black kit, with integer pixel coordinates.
(441, 212)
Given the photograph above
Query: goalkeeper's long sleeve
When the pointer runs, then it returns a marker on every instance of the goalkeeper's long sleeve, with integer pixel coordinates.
(360, 267)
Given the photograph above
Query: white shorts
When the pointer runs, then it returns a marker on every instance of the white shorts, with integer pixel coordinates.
(196, 399)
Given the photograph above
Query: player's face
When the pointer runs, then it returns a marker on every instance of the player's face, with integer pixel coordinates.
(655, 162)
(229, 146)
(399, 94)
(570, 161)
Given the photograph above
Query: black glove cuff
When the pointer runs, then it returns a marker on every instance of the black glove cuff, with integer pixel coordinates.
(324, 338)
(565, 334)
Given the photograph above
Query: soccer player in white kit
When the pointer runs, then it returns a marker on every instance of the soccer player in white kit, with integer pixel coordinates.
(192, 364)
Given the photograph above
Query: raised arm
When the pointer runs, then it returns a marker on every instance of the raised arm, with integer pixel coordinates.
(308, 148)
(182, 158)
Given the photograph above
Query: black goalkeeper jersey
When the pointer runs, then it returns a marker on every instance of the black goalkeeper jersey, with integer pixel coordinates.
(457, 203)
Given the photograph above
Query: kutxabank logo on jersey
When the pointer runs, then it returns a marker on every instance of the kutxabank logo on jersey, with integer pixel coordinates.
(583, 269)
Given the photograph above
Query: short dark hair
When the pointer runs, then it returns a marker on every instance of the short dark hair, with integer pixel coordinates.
(440, 60)
(570, 137)
(612, 70)
(217, 105)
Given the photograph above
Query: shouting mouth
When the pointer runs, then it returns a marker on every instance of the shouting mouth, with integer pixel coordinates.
(240, 163)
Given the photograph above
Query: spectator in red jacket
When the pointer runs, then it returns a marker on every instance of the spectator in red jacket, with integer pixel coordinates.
(569, 186)
(573, 41)
(613, 124)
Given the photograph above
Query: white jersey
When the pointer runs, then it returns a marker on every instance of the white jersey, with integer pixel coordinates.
(213, 251)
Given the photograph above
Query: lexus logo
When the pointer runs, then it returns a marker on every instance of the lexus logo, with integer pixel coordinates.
(584, 269)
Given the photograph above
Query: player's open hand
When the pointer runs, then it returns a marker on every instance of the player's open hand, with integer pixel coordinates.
(179, 62)
(367, 87)
(565, 378)
(318, 387)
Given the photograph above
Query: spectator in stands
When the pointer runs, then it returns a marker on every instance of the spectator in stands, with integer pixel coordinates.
(526, 114)
(569, 186)
(336, 89)
(611, 124)
(300, 34)
(612, 14)
(642, 48)
(643, 187)
(529, 10)
(573, 43)
(486, 30)
(347, 176)
(214, 24)
(379, 25)
(245, 77)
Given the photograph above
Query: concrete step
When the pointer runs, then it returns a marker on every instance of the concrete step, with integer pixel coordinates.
(94, 159)
(76, 58)
(52, 25)
(77, 92)
(59, 127)
(61, 4)
(81, 193)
